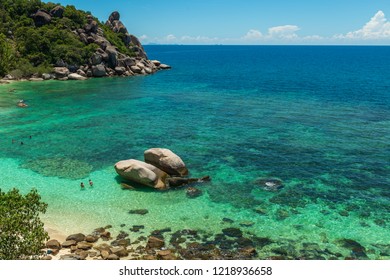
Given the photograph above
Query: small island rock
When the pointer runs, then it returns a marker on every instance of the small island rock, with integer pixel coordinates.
(166, 160)
(142, 173)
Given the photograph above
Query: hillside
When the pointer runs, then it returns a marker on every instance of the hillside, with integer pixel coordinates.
(46, 40)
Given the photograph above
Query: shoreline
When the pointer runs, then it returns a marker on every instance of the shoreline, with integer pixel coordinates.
(77, 77)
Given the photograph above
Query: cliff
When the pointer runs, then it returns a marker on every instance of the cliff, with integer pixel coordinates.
(48, 41)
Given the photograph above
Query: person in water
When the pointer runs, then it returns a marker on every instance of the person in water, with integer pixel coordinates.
(82, 185)
(90, 182)
(22, 104)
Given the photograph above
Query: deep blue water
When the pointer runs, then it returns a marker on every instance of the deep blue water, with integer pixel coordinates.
(315, 117)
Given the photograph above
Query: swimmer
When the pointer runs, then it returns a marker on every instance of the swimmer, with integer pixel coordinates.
(22, 104)
(82, 185)
(90, 182)
(21, 143)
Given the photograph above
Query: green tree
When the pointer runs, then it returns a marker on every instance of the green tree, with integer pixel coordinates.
(6, 55)
(22, 235)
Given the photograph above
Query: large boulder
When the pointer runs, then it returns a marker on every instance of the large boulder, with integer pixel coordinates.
(53, 244)
(112, 56)
(99, 70)
(155, 242)
(166, 160)
(96, 59)
(41, 17)
(57, 11)
(114, 16)
(91, 27)
(75, 76)
(61, 72)
(142, 173)
(78, 237)
(120, 70)
(165, 66)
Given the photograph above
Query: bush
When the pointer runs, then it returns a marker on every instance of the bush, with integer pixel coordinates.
(22, 235)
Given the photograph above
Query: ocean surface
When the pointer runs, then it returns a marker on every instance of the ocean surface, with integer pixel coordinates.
(315, 117)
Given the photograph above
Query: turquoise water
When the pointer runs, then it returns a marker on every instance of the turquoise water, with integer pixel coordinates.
(318, 118)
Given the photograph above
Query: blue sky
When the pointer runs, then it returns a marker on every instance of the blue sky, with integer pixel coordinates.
(249, 21)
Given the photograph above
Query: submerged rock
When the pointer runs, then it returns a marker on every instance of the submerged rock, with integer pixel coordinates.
(175, 182)
(137, 228)
(247, 223)
(227, 220)
(59, 167)
(139, 211)
(232, 232)
(270, 184)
(192, 192)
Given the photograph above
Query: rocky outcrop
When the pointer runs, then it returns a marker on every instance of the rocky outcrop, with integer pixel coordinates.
(166, 160)
(107, 60)
(130, 40)
(142, 173)
(161, 170)
(41, 17)
(57, 11)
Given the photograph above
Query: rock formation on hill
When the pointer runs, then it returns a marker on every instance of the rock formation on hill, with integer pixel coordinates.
(61, 42)
(108, 60)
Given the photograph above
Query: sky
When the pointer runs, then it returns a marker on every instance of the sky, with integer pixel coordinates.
(249, 22)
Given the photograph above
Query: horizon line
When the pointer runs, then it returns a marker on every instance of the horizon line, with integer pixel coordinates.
(271, 45)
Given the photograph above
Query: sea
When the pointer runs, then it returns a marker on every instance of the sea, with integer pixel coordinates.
(314, 119)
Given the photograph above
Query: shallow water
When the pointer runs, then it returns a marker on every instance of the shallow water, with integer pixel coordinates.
(318, 118)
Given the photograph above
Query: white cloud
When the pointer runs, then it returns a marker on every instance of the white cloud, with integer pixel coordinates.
(377, 28)
(253, 34)
(198, 40)
(283, 32)
(170, 38)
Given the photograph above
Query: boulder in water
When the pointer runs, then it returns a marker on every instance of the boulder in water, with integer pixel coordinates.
(142, 173)
(166, 160)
